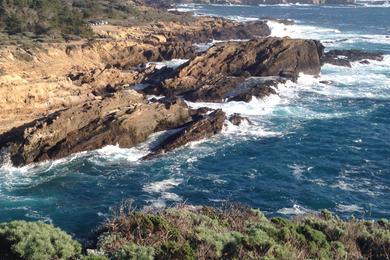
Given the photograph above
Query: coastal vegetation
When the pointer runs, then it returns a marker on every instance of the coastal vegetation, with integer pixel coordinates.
(34, 18)
(33, 21)
(36, 240)
(188, 232)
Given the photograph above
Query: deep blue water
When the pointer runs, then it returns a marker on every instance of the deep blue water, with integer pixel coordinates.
(316, 146)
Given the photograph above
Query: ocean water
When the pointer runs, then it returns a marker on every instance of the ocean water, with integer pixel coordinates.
(314, 146)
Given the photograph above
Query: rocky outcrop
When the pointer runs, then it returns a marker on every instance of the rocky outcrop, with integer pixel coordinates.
(125, 118)
(203, 126)
(257, 58)
(220, 73)
(345, 57)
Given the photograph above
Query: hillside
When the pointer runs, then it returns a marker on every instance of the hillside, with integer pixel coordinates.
(56, 20)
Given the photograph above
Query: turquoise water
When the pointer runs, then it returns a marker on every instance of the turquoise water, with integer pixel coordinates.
(314, 146)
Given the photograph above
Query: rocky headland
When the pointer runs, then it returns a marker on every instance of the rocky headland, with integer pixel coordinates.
(63, 98)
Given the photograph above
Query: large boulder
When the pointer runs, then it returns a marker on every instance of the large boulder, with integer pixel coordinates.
(125, 118)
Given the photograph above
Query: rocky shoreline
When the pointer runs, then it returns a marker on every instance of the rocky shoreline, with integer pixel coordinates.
(256, 2)
(68, 98)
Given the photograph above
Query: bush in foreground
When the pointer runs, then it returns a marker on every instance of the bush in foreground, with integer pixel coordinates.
(238, 232)
(188, 232)
(35, 240)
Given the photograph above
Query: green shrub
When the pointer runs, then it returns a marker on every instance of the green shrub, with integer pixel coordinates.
(238, 232)
(136, 252)
(174, 250)
(95, 257)
(36, 240)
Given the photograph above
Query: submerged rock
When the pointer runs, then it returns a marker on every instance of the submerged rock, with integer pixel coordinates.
(237, 119)
(125, 118)
(204, 126)
(281, 21)
(345, 57)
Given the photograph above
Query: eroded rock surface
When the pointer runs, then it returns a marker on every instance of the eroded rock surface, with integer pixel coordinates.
(125, 118)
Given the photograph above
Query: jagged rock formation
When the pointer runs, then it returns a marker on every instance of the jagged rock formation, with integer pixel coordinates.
(125, 118)
(221, 72)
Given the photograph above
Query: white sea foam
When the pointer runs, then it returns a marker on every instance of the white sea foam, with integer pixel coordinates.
(255, 107)
(242, 18)
(349, 208)
(294, 210)
(330, 37)
(185, 8)
(161, 186)
(201, 47)
(298, 170)
(360, 185)
(174, 63)
(360, 81)
(35, 174)
(299, 31)
(115, 153)
(248, 130)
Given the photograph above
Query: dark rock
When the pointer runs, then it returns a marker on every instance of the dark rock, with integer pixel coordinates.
(326, 82)
(237, 119)
(222, 30)
(256, 58)
(200, 111)
(281, 21)
(221, 73)
(337, 62)
(200, 128)
(345, 57)
(366, 62)
(257, 89)
(125, 118)
(214, 89)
